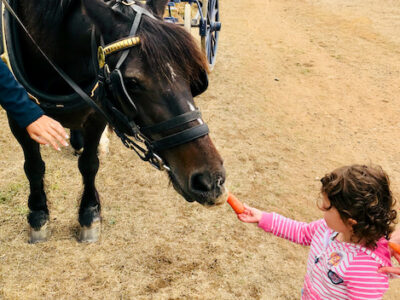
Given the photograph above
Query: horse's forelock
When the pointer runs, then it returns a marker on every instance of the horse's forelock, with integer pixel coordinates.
(164, 45)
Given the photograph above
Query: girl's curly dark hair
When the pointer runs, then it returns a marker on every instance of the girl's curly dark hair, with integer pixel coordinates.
(362, 193)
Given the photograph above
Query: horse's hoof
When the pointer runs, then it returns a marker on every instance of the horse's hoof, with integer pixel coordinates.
(40, 235)
(90, 234)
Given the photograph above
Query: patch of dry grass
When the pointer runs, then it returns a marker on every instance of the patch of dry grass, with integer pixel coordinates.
(277, 127)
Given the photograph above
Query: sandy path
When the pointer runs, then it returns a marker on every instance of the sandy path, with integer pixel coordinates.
(300, 88)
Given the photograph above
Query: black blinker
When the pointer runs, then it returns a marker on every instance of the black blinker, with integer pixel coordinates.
(200, 86)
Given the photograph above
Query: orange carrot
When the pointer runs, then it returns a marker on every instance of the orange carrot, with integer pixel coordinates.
(395, 247)
(235, 204)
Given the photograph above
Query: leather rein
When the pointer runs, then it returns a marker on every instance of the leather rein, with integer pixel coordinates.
(123, 126)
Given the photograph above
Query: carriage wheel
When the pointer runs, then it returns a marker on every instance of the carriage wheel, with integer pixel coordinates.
(209, 41)
(188, 18)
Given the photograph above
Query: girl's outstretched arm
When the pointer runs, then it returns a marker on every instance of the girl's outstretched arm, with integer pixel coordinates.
(298, 232)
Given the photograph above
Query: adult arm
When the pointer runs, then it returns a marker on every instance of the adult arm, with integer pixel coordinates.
(15, 100)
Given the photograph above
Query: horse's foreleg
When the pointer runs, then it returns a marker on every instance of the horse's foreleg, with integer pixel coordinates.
(89, 212)
(76, 140)
(34, 168)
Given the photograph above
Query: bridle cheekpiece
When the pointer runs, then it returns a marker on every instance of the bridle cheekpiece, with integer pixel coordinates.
(111, 85)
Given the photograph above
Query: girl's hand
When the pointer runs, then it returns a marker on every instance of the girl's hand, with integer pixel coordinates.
(250, 214)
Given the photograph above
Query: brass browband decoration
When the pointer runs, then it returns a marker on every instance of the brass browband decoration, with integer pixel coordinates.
(114, 47)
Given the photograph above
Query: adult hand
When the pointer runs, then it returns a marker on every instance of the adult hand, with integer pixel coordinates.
(46, 131)
(250, 214)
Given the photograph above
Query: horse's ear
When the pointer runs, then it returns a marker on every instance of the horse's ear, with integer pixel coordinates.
(157, 7)
(100, 13)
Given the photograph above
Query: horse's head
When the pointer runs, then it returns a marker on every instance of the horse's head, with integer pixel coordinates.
(161, 75)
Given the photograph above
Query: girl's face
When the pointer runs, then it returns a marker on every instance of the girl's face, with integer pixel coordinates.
(333, 219)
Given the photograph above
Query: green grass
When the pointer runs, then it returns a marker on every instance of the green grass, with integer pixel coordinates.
(7, 195)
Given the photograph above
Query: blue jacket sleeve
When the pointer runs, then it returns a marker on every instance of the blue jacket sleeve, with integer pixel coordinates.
(14, 99)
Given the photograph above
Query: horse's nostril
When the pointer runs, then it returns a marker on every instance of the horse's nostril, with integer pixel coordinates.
(205, 182)
(220, 181)
(201, 182)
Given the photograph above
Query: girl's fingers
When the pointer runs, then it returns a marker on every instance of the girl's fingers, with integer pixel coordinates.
(248, 209)
(242, 217)
(246, 206)
(246, 218)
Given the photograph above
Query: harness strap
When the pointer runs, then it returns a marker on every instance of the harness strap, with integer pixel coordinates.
(93, 45)
(181, 137)
(139, 12)
(171, 123)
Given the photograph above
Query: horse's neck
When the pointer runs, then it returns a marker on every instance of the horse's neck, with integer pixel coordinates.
(63, 34)
(50, 23)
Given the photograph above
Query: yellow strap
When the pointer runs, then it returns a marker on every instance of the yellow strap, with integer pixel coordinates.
(120, 45)
(94, 89)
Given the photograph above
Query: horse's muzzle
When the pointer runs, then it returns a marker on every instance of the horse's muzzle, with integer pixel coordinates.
(207, 188)
(202, 187)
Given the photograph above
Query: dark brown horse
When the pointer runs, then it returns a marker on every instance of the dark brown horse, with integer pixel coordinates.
(160, 75)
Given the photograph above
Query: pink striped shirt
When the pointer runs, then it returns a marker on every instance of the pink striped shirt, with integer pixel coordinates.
(335, 270)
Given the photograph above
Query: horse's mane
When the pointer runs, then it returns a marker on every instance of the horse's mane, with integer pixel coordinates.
(165, 45)
(53, 11)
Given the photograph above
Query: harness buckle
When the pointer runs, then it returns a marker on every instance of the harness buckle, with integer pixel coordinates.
(101, 57)
(128, 3)
(157, 162)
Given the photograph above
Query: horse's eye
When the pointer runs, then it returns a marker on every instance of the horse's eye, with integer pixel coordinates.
(132, 84)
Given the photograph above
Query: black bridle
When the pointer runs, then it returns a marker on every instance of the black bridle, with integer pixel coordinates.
(112, 82)
(111, 85)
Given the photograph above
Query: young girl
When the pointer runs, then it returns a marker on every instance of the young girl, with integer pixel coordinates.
(348, 245)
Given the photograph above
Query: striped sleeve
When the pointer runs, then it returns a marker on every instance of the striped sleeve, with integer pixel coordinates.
(297, 232)
(363, 280)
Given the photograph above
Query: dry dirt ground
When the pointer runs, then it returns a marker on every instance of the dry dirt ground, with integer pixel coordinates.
(300, 88)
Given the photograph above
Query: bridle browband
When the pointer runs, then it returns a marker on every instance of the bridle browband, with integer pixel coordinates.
(114, 47)
(112, 84)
